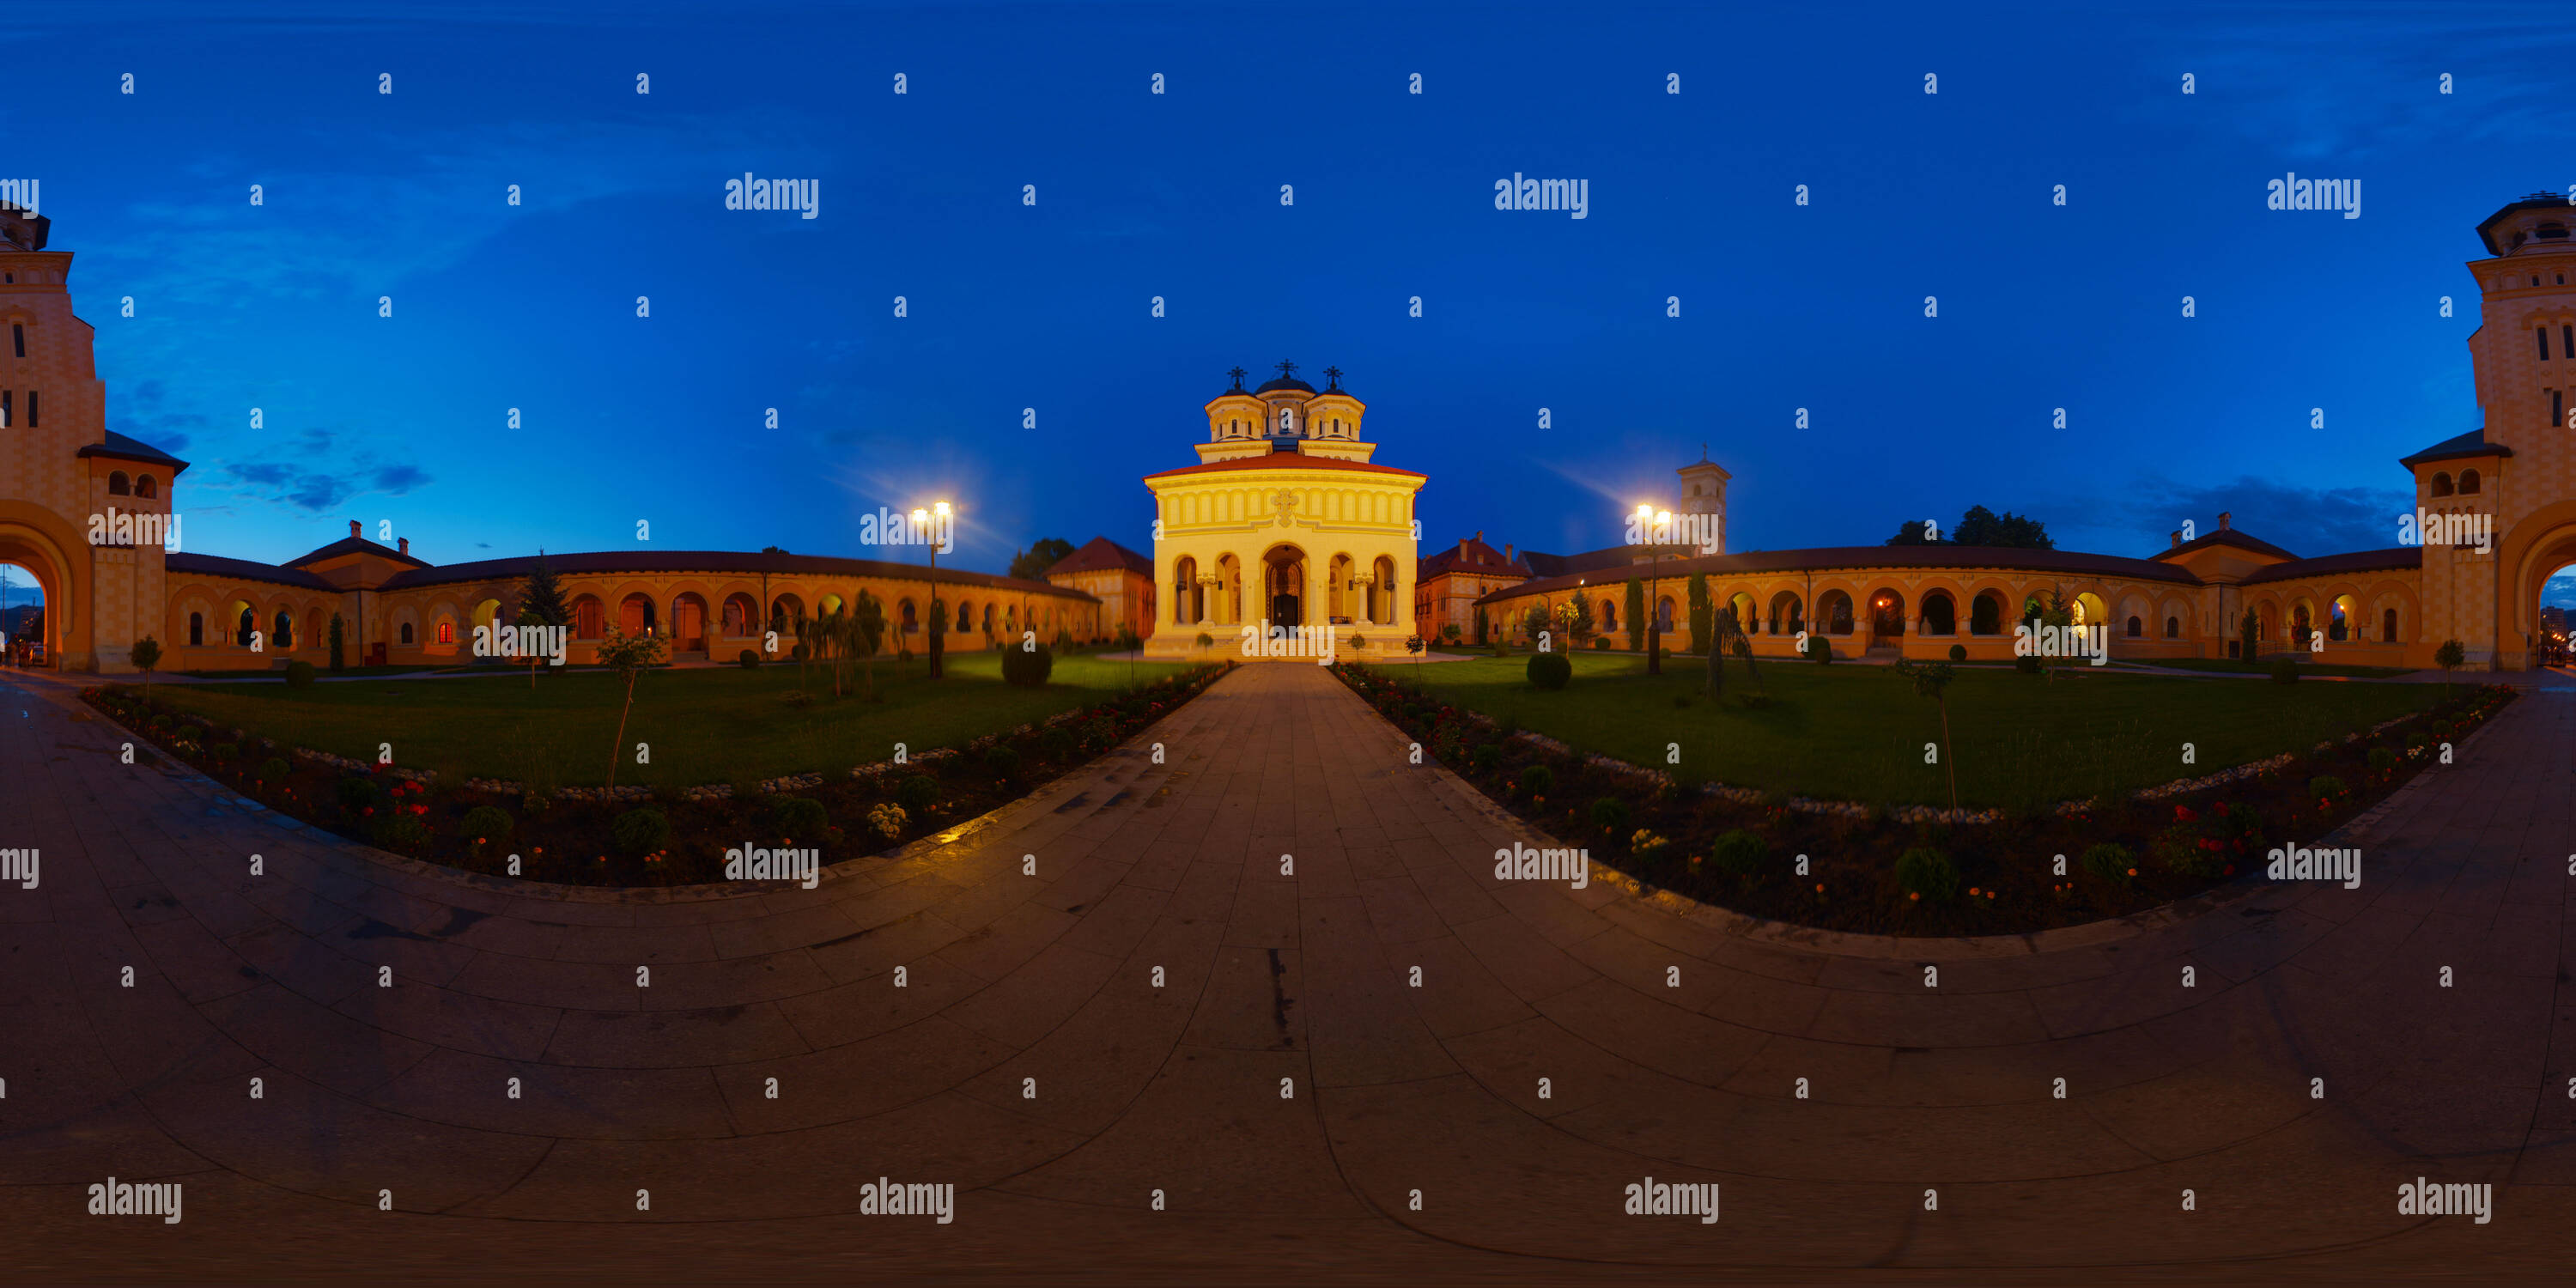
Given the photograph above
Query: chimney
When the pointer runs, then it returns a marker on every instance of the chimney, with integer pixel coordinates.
(353, 527)
(1507, 552)
(2222, 520)
(1462, 548)
(1480, 534)
(404, 543)
(2177, 539)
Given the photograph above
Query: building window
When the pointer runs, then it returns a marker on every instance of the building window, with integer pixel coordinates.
(284, 636)
(2543, 334)
(144, 487)
(18, 337)
(447, 632)
(196, 629)
(2388, 626)
(2567, 338)
(2442, 484)
(2557, 407)
(2468, 482)
(31, 409)
(5, 397)
(116, 484)
(2173, 628)
(2136, 627)
(406, 633)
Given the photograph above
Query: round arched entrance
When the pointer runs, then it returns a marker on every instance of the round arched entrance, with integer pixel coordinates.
(46, 558)
(1283, 584)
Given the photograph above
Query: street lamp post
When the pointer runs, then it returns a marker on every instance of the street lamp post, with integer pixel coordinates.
(938, 611)
(1650, 518)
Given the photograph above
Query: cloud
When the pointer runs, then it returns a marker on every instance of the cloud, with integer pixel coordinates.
(2303, 520)
(288, 482)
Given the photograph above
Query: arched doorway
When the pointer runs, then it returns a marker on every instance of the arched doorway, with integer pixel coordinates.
(22, 615)
(1283, 585)
(1886, 617)
(43, 577)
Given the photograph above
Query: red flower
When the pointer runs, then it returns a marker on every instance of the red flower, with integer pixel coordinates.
(2183, 814)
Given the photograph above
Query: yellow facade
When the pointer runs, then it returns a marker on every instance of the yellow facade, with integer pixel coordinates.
(1285, 521)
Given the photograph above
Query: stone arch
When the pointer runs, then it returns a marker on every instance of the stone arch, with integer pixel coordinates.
(1788, 614)
(1988, 611)
(1940, 613)
(739, 613)
(589, 617)
(785, 609)
(57, 555)
(1834, 612)
(1886, 613)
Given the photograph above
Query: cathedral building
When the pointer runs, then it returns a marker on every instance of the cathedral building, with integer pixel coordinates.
(1284, 521)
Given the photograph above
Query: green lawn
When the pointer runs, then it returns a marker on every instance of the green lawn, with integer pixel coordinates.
(2265, 668)
(702, 725)
(1849, 732)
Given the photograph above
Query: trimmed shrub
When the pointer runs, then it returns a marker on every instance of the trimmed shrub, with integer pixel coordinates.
(1057, 743)
(1819, 649)
(402, 833)
(641, 831)
(2383, 759)
(356, 793)
(800, 818)
(299, 675)
(1003, 762)
(486, 823)
(2109, 861)
(2285, 671)
(224, 750)
(1028, 667)
(1550, 670)
(748, 660)
(1740, 851)
(273, 770)
(1205, 640)
(1610, 814)
(1485, 757)
(1600, 641)
(2325, 787)
(917, 794)
(1958, 652)
(1927, 872)
(886, 820)
(1100, 732)
(1538, 780)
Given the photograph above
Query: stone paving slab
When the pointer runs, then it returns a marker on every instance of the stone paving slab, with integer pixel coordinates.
(1289, 1087)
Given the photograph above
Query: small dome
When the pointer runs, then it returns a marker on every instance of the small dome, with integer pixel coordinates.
(1286, 382)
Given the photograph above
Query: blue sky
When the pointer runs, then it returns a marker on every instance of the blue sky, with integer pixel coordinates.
(1011, 306)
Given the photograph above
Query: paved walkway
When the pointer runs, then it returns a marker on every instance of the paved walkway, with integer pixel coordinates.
(1268, 980)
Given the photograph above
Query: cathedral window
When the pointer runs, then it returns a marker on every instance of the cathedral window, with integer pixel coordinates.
(2543, 333)
(18, 337)
(196, 628)
(31, 409)
(2442, 484)
(2468, 482)
(116, 484)
(2557, 407)
(145, 487)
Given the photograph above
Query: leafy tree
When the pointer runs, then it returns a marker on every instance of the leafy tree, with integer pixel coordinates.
(1983, 527)
(146, 656)
(1635, 610)
(1536, 622)
(1700, 620)
(1575, 614)
(2450, 657)
(1044, 553)
(2249, 634)
(339, 660)
(776, 550)
(626, 656)
(1727, 635)
(1909, 532)
(1929, 679)
(541, 603)
(865, 635)
(1480, 626)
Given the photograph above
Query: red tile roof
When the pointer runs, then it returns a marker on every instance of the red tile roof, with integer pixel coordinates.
(1284, 461)
(1101, 552)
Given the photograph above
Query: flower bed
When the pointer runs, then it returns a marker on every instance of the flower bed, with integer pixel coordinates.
(1919, 870)
(591, 836)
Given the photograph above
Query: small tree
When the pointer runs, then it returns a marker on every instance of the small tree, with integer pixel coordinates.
(2450, 657)
(1700, 619)
(338, 659)
(1635, 608)
(147, 655)
(1480, 626)
(626, 656)
(2249, 634)
(1725, 634)
(2052, 611)
(866, 636)
(1929, 679)
(1536, 622)
(541, 603)
(1575, 614)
